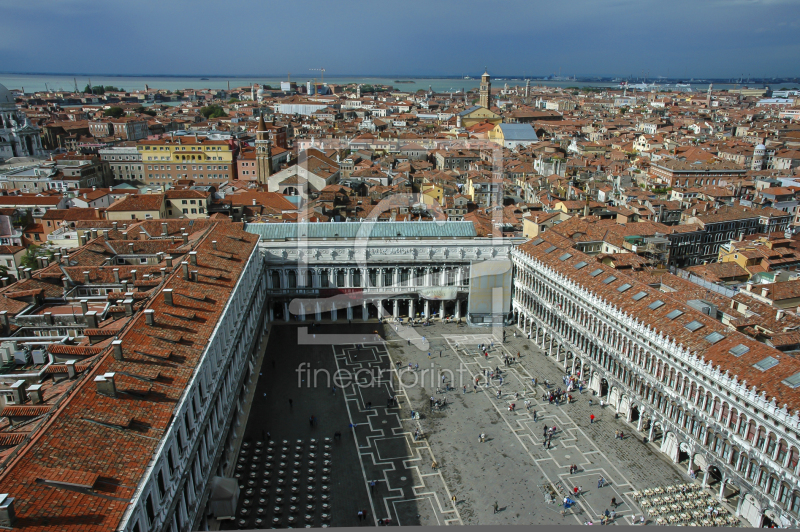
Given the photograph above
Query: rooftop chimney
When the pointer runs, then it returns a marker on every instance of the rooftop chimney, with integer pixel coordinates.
(82, 239)
(130, 248)
(65, 282)
(4, 319)
(36, 394)
(87, 278)
(169, 261)
(116, 275)
(105, 234)
(128, 304)
(163, 272)
(193, 258)
(18, 391)
(7, 517)
(70, 368)
(84, 306)
(114, 225)
(764, 292)
(150, 316)
(57, 256)
(93, 233)
(105, 384)
(185, 238)
(117, 349)
(164, 231)
(779, 314)
(142, 235)
(214, 244)
(91, 319)
(185, 266)
(133, 274)
(194, 275)
(168, 296)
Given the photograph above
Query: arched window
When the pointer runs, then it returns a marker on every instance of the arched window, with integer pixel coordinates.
(324, 278)
(795, 504)
(292, 279)
(340, 278)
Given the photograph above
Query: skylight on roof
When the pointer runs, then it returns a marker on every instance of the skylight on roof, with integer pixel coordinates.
(655, 304)
(639, 295)
(610, 279)
(564, 257)
(624, 287)
(765, 364)
(597, 272)
(580, 265)
(739, 350)
(674, 314)
(537, 241)
(793, 381)
(694, 325)
(715, 337)
(550, 249)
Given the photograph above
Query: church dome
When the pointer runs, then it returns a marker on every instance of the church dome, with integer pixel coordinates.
(6, 98)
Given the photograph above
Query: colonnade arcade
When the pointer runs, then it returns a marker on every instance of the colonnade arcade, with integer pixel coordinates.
(702, 428)
(391, 290)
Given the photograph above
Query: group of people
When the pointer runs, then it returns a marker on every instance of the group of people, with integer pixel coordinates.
(557, 396)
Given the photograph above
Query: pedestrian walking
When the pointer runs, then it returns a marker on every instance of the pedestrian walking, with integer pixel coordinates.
(614, 502)
(440, 354)
(290, 403)
(429, 355)
(333, 390)
(311, 421)
(495, 506)
(464, 389)
(453, 498)
(372, 486)
(534, 415)
(434, 465)
(360, 515)
(591, 418)
(474, 388)
(482, 437)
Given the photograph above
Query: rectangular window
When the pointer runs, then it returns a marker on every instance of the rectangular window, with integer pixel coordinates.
(610, 279)
(639, 295)
(550, 249)
(741, 349)
(766, 364)
(694, 325)
(674, 314)
(624, 287)
(151, 511)
(655, 304)
(714, 337)
(580, 265)
(564, 257)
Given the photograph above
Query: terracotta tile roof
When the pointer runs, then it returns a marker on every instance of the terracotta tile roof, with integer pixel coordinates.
(741, 367)
(139, 202)
(76, 436)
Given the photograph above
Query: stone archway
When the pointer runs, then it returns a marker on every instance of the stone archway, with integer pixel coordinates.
(669, 446)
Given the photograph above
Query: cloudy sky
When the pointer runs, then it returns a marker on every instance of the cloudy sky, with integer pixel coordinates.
(675, 38)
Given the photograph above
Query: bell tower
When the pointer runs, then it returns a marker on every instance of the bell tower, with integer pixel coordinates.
(486, 90)
(263, 152)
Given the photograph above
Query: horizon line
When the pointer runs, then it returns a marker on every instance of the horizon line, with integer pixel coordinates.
(382, 76)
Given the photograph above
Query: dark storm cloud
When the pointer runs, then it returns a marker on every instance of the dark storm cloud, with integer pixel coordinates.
(679, 38)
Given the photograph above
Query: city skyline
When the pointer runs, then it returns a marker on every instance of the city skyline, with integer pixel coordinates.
(720, 39)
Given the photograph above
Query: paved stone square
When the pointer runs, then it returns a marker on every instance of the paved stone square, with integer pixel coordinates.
(513, 467)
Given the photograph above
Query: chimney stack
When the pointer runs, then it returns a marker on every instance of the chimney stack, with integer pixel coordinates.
(779, 314)
(87, 278)
(36, 394)
(115, 226)
(130, 248)
(194, 276)
(116, 275)
(94, 233)
(65, 282)
(57, 256)
(105, 384)
(142, 235)
(164, 230)
(163, 272)
(105, 234)
(150, 317)
(764, 292)
(4, 319)
(193, 258)
(128, 304)
(214, 245)
(7, 517)
(70, 368)
(117, 349)
(133, 275)
(18, 391)
(168, 297)
(91, 319)
(84, 306)
(185, 266)
(82, 239)
(169, 261)
(185, 238)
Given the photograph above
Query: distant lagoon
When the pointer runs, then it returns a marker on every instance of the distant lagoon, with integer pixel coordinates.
(34, 83)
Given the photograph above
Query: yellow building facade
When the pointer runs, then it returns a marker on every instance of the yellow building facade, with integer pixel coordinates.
(206, 162)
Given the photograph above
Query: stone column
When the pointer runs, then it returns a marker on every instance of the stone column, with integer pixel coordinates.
(379, 304)
(411, 308)
(427, 309)
(317, 313)
(286, 311)
(550, 350)
(395, 276)
(427, 276)
(458, 276)
(441, 310)
(348, 278)
(640, 421)
(458, 309)
(379, 277)
(705, 477)
(349, 311)
(334, 314)
(396, 309)
(722, 487)
(364, 311)
(302, 313)
(652, 429)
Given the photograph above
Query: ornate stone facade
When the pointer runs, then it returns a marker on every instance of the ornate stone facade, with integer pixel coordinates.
(18, 137)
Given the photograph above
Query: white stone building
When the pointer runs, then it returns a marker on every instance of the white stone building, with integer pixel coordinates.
(18, 138)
